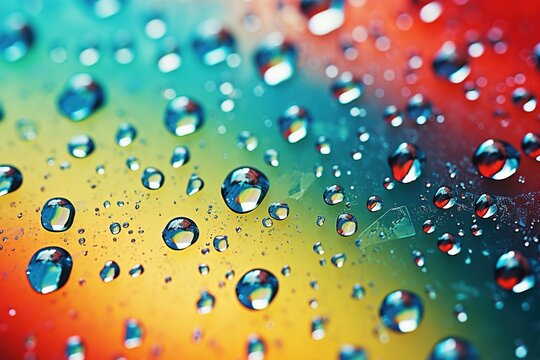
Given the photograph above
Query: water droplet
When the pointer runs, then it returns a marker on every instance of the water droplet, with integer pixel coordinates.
(75, 348)
(136, 271)
(451, 64)
(448, 244)
(183, 116)
(286, 270)
(80, 146)
(204, 269)
(318, 325)
(418, 258)
(324, 16)
(346, 224)
(180, 233)
(323, 145)
(110, 271)
(213, 43)
(16, 38)
(271, 157)
(428, 226)
(221, 243)
(248, 141)
(257, 289)
(346, 88)
(401, 311)
(496, 159)
(256, 348)
(407, 162)
(419, 109)
(125, 134)
(485, 206)
(244, 189)
(454, 348)
(180, 156)
(115, 228)
(524, 100)
(338, 260)
(133, 163)
(169, 58)
(444, 198)
(57, 214)
(531, 145)
(318, 248)
(10, 179)
(358, 291)
(195, 184)
(278, 211)
(105, 8)
(294, 123)
(26, 129)
(206, 302)
(133, 334)
(275, 59)
(513, 272)
(374, 203)
(267, 222)
(152, 178)
(388, 183)
(460, 313)
(81, 97)
(393, 116)
(333, 195)
(350, 352)
(49, 269)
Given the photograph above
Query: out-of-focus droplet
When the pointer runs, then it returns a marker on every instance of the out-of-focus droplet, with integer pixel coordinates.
(346, 224)
(346, 88)
(75, 348)
(374, 203)
(80, 146)
(513, 272)
(256, 348)
(430, 11)
(195, 184)
(448, 244)
(407, 162)
(318, 328)
(26, 129)
(401, 311)
(271, 157)
(125, 134)
(358, 292)
(444, 198)
(133, 163)
(213, 42)
(324, 16)
(49, 269)
(123, 51)
(294, 123)
(485, 206)
(110, 271)
(152, 178)
(323, 145)
(16, 38)
(333, 195)
(451, 64)
(496, 159)
(10, 179)
(524, 100)
(81, 97)
(257, 289)
(454, 348)
(206, 302)
(276, 59)
(278, 211)
(393, 116)
(133, 334)
(169, 58)
(183, 116)
(419, 109)
(105, 8)
(155, 28)
(180, 156)
(244, 189)
(57, 214)
(418, 258)
(247, 140)
(531, 145)
(180, 233)
(221, 243)
(350, 352)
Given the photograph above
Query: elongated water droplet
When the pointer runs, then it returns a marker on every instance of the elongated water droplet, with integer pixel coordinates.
(221, 243)
(407, 162)
(195, 184)
(401, 311)
(271, 157)
(81, 97)
(110, 271)
(125, 134)
(180, 233)
(57, 214)
(133, 334)
(180, 156)
(524, 100)
(244, 189)
(10, 179)
(275, 59)
(485, 206)
(169, 58)
(136, 271)
(257, 289)
(318, 328)
(346, 88)
(75, 348)
(256, 348)
(183, 116)
(338, 260)
(496, 159)
(350, 352)
(49, 269)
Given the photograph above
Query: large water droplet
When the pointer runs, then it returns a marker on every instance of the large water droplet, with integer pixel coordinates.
(347, 88)
(294, 123)
(57, 214)
(244, 189)
(213, 42)
(257, 289)
(16, 38)
(401, 311)
(183, 116)
(485, 206)
(152, 178)
(333, 194)
(324, 16)
(531, 145)
(496, 159)
(454, 348)
(407, 162)
(110, 271)
(125, 134)
(81, 97)
(444, 198)
(448, 244)
(513, 272)
(275, 59)
(451, 64)
(346, 224)
(180, 233)
(80, 146)
(10, 179)
(49, 269)
(133, 334)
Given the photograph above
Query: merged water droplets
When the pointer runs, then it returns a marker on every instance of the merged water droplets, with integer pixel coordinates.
(407, 162)
(346, 224)
(16, 38)
(347, 88)
(454, 348)
(531, 145)
(513, 272)
(451, 64)
(152, 178)
(180, 233)
(444, 198)
(244, 189)
(57, 214)
(275, 59)
(324, 16)
(401, 311)
(10, 179)
(294, 123)
(110, 271)
(278, 211)
(333, 195)
(49, 269)
(81, 97)
(183, 116)
(485, 206)
(213, 43)
(257, 289)
(496, 159)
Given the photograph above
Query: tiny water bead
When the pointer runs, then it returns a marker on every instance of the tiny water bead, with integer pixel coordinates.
(448, 244)
(294, 123)
(81, 97)
(180, 156)
(244, 189)
(152, 178)
(496, 159)
(419, 109)
(513, 272)
(374, 203)
(49, 269)
(257, 289)
(183, 116)
(451, 64)
(75, 348)
(133, 334)
(333, 195)
(346, 224)
(531, 145)
(454, 348)
(221, 243)
(276, 59)
(350, 352)
(401, 311)
(346, 88)
(57, 214)
(324, 16)
(16, 38)
(195, 184)
(524, 100)
(485, 207)
(110, 271)
(407, 162)
(80, 146)
(444, 198)
(10, 179)
(205, 303)
(213, 43)
(278, 211)
(180, 233)
(125, 134)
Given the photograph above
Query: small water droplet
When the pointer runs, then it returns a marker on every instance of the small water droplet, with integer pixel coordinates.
(213, 43)
(294, 123)
(257, 289)
(271, 157)
(419, 109)
(195, 184)
(133, 334)
(136, 271)
(16, 38)
(338, 260)
(278, 211)
(110, 271)
(531, 145)
(346, 224)
(256, 348)
(524, 100)
(448, 244)
(485, 206)
(346, 88)
(152, 178)
(75, 348)
(205, 303)
(451, 64)
(125, 134)
(374, 203)
(451, 348)
(444, 198)
(57, 214)
(221, 243)
(179, 157)
(180, 233)
(333, 195)
(324, 16)
(350, 352)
